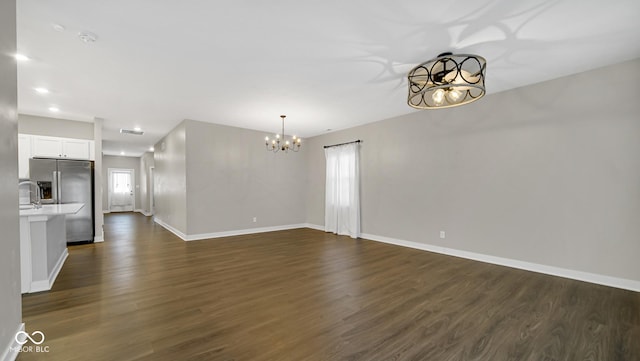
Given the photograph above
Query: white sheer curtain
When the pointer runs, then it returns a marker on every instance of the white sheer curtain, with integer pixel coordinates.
(342, 204)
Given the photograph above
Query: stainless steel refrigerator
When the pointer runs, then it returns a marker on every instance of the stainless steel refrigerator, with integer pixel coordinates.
(67, 181)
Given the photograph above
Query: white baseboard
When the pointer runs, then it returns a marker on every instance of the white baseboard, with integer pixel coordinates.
(45, 285)
(239, 232)
(58, 267)
(107, 211)
(145, 213)
(99, 238)
(11, 352)
(528, 266)
(314, 226)
(170, 228)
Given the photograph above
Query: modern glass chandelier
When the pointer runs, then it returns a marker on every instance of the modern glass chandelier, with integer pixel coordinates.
(282, 144)
(447, 81)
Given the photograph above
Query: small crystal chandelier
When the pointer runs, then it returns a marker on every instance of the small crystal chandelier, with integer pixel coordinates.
(280, 143)
(447, 81)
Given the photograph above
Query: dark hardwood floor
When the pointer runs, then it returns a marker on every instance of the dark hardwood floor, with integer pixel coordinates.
(303, 294)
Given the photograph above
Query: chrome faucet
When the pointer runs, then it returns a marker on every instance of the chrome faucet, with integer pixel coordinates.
(36, 201)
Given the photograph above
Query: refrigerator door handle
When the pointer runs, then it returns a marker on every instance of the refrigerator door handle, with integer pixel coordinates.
(54, 187)
(59, 187)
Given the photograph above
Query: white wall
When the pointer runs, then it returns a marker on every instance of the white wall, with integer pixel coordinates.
(169, 158)
(231, 179)
(121, 162)
(213, 178)
(53, 127)
(10, 300)
(547, 174)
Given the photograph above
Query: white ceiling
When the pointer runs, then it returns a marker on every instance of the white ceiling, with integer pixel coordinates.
(327, 64)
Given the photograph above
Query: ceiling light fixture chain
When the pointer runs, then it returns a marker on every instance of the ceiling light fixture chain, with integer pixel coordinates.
(448, 80)
(282, 144)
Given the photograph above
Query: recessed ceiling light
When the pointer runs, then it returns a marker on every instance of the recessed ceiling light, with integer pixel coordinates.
(151, 149)
(21, 57)
(122, 153)
(137, 129)
(42, 90)
(57, 27)
(54, 109)
(87, 37)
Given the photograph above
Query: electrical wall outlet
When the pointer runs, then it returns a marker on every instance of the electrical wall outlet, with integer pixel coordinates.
(255, 219)
(442, 234)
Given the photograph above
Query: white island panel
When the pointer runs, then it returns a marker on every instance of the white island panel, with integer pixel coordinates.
(43, 241)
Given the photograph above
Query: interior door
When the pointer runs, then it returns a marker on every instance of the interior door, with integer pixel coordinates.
(121, 190)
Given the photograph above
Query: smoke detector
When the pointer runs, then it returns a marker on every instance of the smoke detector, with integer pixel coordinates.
(129, 131)
(87, 37)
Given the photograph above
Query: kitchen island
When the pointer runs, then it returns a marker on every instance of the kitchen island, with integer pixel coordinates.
(43, 244)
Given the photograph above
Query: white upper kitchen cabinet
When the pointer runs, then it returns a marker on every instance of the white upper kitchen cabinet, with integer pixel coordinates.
(47, 147)
(37, 146)
(66, 148)
(76, 149)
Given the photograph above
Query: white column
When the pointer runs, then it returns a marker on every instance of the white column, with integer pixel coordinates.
(97, 176)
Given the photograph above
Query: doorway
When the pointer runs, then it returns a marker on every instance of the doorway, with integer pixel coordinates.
(121, 192)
